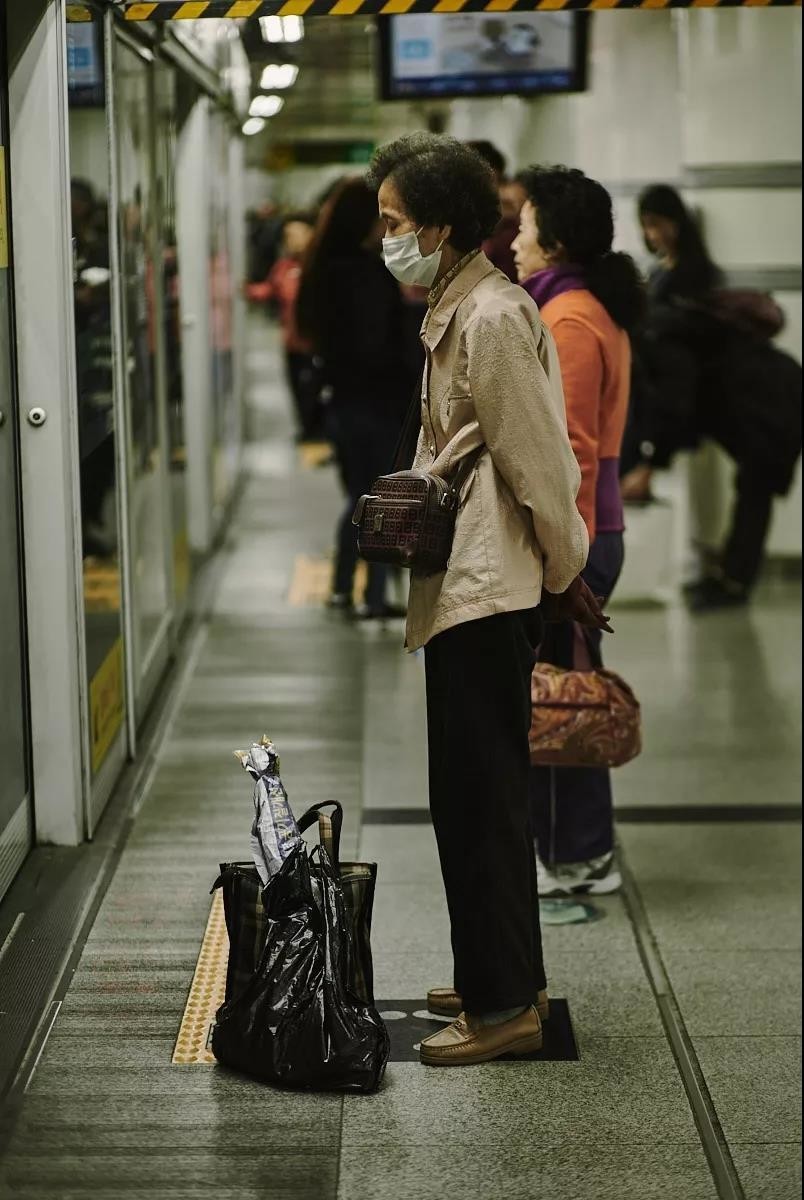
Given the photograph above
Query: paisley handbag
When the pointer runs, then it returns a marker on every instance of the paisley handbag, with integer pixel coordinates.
(582, 718)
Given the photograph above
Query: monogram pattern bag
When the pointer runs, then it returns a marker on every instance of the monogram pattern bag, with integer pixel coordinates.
(408, 519)
(582, 718)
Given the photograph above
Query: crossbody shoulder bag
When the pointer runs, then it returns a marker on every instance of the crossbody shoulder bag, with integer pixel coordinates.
(408, 518)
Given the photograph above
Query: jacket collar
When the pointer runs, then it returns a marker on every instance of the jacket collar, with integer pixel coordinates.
(437, 320)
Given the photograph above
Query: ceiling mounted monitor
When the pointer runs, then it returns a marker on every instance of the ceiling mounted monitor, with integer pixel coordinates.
(481, 54)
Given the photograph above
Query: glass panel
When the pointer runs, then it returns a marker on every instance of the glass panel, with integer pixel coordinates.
(166, 152)
(141, 273)
(14, 781)
(89, 165)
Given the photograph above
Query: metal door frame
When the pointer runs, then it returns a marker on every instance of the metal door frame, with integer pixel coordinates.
(16, 837)
(97, 791)
(39, 184)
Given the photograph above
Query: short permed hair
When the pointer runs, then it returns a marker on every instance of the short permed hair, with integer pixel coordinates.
(575, 212)
(441, 182)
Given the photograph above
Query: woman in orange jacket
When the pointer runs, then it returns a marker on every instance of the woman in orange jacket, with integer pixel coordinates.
(590, 299)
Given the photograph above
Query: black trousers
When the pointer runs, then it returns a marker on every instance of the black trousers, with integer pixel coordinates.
(365, 449)
(571, 807)
(750, 522)
(305, 388)
(478, 717)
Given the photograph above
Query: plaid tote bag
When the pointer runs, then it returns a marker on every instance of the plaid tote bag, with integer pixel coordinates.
(246, 922)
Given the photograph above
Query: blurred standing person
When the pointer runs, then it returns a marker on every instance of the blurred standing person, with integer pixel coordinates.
(684, 269)
(590, 299)
(263, 231)
(94, 378)
(664, 417)
(492, 385)
(281, 287)
(351, 310)
(497, 247)
(708, 369)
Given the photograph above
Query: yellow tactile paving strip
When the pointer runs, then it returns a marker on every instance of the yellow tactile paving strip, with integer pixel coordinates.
(311, 581)
(315, 454)
(207, 991)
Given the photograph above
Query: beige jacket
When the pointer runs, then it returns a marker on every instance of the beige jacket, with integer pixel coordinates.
(492, 377)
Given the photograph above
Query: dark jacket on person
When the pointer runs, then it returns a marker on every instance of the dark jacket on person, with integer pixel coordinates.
(365, 341)
(751, 406)
(708, 368)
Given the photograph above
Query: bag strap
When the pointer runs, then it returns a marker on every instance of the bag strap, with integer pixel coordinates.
(409, 437)
(468, 465)
(409, 440)
(330, 826)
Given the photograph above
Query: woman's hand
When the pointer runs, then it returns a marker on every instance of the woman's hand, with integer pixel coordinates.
(578, 603)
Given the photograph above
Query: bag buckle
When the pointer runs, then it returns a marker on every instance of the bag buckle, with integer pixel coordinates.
(360, 508)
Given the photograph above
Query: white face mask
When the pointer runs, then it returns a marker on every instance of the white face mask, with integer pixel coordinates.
(405, 261)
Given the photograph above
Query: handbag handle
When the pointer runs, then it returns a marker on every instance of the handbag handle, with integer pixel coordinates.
(330, 826)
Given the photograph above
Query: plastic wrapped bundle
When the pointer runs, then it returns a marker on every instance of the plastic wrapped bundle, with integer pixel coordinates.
(274, 832)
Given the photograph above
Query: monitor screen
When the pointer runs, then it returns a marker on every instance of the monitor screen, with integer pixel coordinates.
(479, 54)
(85, 67)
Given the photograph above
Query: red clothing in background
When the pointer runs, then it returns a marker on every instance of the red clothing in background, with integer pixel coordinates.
(498, 250)
(282, 286)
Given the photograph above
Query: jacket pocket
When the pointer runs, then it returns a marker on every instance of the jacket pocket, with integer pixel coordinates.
(456, 409)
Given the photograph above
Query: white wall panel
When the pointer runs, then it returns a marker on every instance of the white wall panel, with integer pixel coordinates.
(750, 227)
(741, 81)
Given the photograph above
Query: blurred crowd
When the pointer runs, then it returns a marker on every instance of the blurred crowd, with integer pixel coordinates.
(702, 364)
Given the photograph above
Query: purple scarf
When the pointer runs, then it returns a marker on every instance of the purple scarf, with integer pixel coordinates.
(554, 281)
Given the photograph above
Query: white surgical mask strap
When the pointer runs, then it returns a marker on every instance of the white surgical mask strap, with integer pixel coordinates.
(438, 247)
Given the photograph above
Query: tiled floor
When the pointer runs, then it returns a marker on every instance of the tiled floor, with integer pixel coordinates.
(108, 1115)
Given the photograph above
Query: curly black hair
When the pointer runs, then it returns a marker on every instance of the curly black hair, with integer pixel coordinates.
(575, 215)
(574, 212)
(441, 182)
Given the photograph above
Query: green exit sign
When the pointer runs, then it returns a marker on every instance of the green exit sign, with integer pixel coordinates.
(360, 152)
(281, 156)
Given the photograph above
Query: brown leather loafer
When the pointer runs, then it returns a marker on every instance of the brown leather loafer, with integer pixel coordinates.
(466, 1042)
(445, 1002)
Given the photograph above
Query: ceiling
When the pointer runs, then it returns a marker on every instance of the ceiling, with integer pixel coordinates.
(336, 93)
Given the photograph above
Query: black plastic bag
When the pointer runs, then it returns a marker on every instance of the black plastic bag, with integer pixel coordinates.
(296, 1022)
(359, 882)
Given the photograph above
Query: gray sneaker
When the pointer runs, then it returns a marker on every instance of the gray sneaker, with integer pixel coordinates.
(598, 877)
